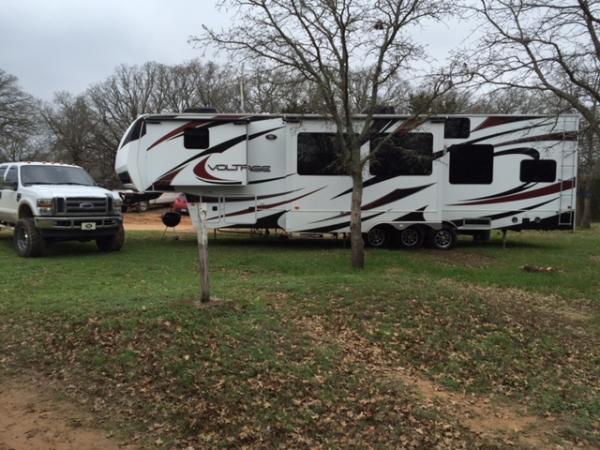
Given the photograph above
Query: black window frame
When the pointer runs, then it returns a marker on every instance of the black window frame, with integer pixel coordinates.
(7, 183)
(462, 170)
(2, 172)
(540, 178)
(333, 164)
(196, 138)
(457, 128)
(137, 130)
(399, 147)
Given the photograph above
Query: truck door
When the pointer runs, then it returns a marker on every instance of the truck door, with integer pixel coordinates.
(8, 195)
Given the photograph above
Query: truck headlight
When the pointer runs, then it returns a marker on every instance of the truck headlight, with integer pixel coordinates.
(45, 206)
(117, 204)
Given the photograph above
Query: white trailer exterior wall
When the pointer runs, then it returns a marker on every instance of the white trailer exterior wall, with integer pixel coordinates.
(503, 172)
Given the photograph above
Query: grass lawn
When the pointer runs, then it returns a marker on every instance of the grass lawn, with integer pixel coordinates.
(306, 352)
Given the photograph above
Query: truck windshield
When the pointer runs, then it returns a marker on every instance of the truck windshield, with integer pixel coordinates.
(55, 175)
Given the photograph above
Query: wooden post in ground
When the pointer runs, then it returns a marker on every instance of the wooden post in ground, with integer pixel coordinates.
(202, 234)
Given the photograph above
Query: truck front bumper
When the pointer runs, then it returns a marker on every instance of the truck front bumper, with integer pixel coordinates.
(66, 228)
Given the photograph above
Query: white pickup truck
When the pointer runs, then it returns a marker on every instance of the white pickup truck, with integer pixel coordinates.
(47, 202)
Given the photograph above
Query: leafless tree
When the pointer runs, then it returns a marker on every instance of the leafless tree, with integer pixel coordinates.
(328, 42)
(18, 117)
(548, 47)
(72, 125)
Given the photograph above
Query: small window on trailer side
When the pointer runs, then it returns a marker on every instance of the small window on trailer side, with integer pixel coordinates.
(319, 154)
(471, 164)
(538, 170)
(196, 138)
(402, 154)
(457, 128)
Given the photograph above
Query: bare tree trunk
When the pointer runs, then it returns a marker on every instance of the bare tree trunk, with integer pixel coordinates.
(356, 240)
(586, 214)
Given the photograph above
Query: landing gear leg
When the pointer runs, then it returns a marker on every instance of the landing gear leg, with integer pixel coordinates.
(504, 232)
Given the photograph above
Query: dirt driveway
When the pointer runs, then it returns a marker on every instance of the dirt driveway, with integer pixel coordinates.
(31, 419)
(151, 221)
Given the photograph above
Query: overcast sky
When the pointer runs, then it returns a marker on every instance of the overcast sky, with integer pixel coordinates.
(55, 45)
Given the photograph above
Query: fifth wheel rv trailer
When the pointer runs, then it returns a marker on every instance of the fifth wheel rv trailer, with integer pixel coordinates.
(452, 174)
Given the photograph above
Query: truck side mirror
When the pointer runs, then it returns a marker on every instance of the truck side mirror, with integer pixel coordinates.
(13, 185)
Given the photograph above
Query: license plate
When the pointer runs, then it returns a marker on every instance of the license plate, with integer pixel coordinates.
(88, 226)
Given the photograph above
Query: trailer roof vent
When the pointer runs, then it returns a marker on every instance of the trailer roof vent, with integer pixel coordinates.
(203, 110)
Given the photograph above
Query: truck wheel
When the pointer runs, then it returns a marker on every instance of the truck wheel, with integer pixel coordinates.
(443, 239)
(112, 243)
(27, 239)
(379, 237)
(143, 206)
(411, 238)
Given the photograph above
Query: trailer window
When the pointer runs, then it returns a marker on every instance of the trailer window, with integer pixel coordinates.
(457, 128)
(407, 154)
(319, 154)
(196, 138)
(471, 164)
(540, 170)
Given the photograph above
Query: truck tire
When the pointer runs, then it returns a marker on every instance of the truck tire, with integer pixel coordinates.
(27, 239)
(443, 239)
(112, 243)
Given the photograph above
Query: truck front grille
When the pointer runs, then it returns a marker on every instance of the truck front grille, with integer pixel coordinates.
(87, 206)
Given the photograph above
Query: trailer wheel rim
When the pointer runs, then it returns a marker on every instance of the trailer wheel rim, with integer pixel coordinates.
(410, 237)
(376, 237)
(443, 238)
(22, 239)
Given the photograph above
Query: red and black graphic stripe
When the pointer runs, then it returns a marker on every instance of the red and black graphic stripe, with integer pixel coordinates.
(547, 190)
(369, 182)
(246, 198)
(413, 216)
(252, 209)
(337, 226)
(164, 182)
(494, 121)
(568, 136)
(395, 195)
(205, 123)
(177, 132)
(515, 190)
(271, 179)
(270, 221)
(502, 215)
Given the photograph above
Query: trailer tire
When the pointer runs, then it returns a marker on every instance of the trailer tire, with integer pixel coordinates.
(27, 239)
(112, 243)
(379, 237)
(410, 238)
(443, 238)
